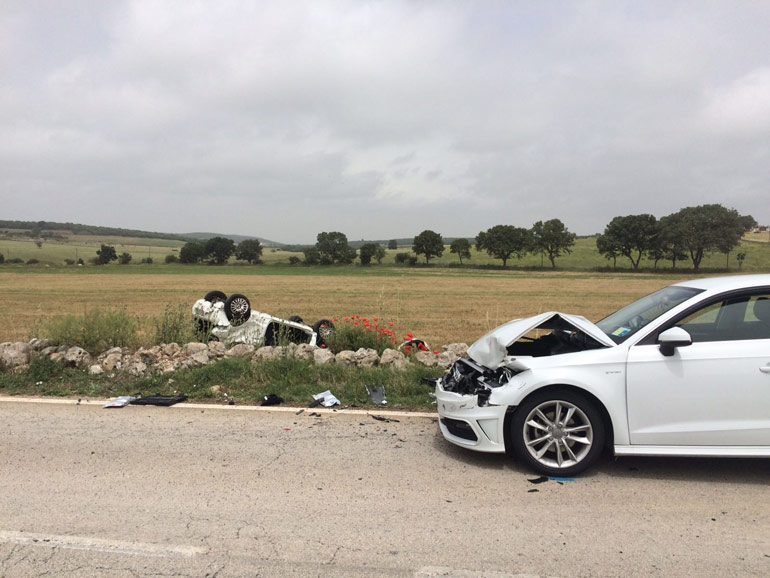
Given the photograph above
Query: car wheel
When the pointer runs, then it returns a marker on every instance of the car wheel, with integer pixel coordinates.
(237, 309)
(557, 433)
(214, 296)
(296, 319)
(324, 329)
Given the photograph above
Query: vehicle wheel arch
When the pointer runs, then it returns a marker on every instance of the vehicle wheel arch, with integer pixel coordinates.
(555, 389)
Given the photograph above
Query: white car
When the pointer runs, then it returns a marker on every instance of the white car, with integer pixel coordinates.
(684, 371)
(231, 321)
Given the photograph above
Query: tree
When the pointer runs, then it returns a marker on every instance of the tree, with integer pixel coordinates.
(669, 243)
(249, 250)
(105, 254)
(429, 244)
(462, 247)
(552, 238)
(504, 241)
(366, 253)
(405, 259)
(333, 248)
(2, 258)
(607, 247)
(708, 228)
(380, 253)
(124, 258)
(171, 259)
(632, 236)
(312, 256)
(192, 252)
(392, 244)
(219, 249)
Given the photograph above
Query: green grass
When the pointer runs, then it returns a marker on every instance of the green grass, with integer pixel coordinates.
(584, 257)
(292, 379)
(94, 331)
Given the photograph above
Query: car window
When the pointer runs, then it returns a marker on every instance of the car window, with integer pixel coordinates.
(738, 317)
(622, 324)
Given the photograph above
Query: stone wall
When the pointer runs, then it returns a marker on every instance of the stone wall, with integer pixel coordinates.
(170, 357)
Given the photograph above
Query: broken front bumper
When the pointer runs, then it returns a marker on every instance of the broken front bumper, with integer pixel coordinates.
(464, 423)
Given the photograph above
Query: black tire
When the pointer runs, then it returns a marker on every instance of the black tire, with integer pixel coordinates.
(296, 319)
(237, 309)
(324, 329)
(214, 296)
(568, 448)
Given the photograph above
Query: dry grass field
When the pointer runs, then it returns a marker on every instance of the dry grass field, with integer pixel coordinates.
(441, 306)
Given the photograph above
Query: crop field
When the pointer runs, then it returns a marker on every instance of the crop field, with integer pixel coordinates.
(439, 305)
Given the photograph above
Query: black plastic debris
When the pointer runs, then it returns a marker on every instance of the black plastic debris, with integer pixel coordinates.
(383, 418)
(271, 399)
(164, 400)
(377, 395)
(539, 480)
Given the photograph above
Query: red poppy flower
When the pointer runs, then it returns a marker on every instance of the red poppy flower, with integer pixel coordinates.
(435, 351)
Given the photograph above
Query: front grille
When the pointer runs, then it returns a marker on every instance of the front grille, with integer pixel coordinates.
(459, 428)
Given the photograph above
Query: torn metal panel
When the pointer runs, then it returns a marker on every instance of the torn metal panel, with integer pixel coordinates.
(496, 348)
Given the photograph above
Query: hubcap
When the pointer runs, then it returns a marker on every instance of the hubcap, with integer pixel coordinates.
(239, 306)
(558, 434)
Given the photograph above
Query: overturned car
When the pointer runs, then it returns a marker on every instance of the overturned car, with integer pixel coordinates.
(684, 371)
(231, 320)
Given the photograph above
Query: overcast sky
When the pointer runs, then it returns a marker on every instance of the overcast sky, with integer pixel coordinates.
(380, 119)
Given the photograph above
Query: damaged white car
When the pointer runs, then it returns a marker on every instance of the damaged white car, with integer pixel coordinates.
(684, 371)
(231, 321)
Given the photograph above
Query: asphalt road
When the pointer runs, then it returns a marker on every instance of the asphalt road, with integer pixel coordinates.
(191, 491)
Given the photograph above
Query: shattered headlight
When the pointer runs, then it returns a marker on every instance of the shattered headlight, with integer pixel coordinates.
(467, 378)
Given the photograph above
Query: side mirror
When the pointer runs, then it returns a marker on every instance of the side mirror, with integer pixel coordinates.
(672, 338)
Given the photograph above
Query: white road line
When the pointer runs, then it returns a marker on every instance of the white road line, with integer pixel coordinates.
(98, 545)
(321, 410)
(441, 572)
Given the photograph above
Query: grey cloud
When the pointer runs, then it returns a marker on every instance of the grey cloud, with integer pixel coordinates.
(284, 119)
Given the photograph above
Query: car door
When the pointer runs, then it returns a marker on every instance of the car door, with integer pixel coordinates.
(714, 392)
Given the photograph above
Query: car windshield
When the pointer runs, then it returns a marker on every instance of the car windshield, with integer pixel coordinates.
(622, 324)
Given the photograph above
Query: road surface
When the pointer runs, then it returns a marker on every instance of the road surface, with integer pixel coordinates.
(204, 491)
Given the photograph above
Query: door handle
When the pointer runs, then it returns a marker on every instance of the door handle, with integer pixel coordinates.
(765, 369)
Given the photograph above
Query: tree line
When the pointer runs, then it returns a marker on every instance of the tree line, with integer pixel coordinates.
(687, 234)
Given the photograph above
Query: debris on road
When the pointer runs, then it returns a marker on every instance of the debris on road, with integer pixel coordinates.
(121, 401)
(326, 399)
(271, 399)
(383, 418)
(163, 400)
(377, 395)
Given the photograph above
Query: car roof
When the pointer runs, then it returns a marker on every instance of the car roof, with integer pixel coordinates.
(727, 283)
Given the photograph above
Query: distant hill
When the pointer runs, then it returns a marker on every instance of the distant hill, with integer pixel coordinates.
(40, 228)
(49, 229)
(36, 228)
(237, 238)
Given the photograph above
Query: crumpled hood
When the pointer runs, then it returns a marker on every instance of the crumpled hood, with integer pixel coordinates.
(491, 350)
